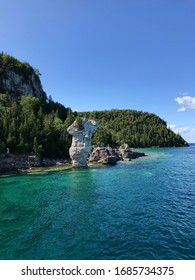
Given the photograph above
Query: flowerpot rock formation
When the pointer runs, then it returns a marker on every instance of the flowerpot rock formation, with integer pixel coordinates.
(81, 141)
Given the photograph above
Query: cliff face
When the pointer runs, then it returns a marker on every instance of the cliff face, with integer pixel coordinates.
(18, 79)
(16, 86)
(81, 142)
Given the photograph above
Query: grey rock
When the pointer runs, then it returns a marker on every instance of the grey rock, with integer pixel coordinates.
(109, 160)
(104, 155)
(17, 86)
(126, 153)
(13, 162)
(108, 155)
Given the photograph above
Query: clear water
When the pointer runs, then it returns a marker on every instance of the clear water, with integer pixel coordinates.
(144, 209)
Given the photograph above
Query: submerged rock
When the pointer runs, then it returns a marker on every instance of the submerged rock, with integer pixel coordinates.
(81, 141)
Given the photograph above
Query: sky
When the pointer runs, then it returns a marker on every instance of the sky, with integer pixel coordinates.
(109, 54)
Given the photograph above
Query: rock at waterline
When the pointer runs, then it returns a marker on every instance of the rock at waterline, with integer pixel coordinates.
(108, 155)
(104, 155)
(81, 141)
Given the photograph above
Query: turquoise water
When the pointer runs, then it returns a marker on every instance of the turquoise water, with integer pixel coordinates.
(144, 209)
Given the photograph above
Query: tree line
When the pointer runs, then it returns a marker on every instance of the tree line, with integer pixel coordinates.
(136, 128)
(31, 124)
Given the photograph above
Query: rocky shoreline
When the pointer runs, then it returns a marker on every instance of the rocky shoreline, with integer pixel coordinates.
(108, 155)
(99, 156)
(10, 162)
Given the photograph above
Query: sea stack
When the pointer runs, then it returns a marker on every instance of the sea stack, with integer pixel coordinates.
(81, 131)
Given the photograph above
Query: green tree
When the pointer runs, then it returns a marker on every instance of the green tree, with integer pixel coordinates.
(37, 149)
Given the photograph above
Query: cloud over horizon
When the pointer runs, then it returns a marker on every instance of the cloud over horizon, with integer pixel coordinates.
(184, 129)
(187, 102)
(187, 132)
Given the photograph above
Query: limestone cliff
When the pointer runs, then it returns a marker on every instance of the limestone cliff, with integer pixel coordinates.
(81, 142)
(18, 79)
(14, 84)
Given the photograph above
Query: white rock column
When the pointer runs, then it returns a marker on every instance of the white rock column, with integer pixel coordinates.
(81, 142)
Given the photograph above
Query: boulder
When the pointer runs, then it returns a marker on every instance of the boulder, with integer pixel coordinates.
(110, 160)
(126, 153)
(104, 155)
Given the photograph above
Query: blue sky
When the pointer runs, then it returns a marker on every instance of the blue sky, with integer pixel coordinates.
(105, 54)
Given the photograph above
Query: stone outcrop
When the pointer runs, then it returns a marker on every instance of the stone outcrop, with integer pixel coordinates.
(104, 155)
(108, 155)
(10, 162)
(81, 142)
(17, 86)
(13, 162)
(126, 153)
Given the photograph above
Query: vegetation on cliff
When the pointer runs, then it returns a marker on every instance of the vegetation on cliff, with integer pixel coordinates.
(30, 123)
(8, 62)
(38, 124)
(19, 78)
(79, 123)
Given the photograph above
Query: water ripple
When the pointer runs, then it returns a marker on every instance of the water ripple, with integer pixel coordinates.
(142, 209)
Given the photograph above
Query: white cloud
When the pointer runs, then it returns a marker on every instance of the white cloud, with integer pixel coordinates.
(180, 130)
(187, 132)
(172, 126)
(187, 101)
(185, 129)
(182, 109)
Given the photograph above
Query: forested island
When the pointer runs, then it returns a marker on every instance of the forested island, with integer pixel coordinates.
(31, 122)
(136, 128)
